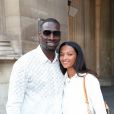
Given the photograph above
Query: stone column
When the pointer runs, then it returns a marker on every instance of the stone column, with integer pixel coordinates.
(89, 34)
(2, 18)
(81, 29)
(76, 23)
(13, 27)
(105, 48)
(97, 33)
(112, 41)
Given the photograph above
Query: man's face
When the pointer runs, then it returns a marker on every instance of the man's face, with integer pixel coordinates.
(50, 36)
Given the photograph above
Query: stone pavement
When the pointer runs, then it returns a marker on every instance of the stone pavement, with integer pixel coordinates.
(108, 93)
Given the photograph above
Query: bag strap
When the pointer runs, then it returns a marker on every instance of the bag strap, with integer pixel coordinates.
(85, 96)
(85, 93)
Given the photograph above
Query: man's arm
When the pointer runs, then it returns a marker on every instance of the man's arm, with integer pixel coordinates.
(17, 87)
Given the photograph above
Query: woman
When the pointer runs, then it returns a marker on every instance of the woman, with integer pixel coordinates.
(73, 66)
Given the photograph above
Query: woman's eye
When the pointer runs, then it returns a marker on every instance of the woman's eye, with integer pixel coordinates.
(70, 54)
(61, 54)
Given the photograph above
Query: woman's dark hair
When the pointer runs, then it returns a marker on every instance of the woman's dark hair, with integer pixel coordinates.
(80, 65)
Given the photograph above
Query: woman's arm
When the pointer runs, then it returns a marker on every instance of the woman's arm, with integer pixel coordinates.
(95, 94)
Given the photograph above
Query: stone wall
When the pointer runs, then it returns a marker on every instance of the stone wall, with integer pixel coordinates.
(5, 69)
(31, 12)
(93, 28)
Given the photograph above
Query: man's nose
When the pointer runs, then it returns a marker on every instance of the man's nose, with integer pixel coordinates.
(51, 36)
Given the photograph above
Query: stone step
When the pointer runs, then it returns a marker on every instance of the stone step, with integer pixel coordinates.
(5, 43)
(4, 48)
(6, 52)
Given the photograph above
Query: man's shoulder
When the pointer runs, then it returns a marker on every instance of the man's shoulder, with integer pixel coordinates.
(28, 56)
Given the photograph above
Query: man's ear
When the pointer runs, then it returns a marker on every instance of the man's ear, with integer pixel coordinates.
(39, 33)
(39, 36)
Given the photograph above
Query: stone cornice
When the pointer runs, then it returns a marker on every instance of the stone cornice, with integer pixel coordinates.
(6, 51)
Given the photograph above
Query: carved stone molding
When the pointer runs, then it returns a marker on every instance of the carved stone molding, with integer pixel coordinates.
(6, 51)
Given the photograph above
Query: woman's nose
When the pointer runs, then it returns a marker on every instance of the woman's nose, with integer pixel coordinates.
(65, 57)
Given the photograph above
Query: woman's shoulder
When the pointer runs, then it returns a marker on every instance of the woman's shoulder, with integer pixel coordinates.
(87, 75)
(91, 79)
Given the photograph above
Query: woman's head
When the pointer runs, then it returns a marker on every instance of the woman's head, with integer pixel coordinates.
(71, 56)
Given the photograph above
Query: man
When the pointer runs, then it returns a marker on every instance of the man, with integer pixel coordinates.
(36, 82)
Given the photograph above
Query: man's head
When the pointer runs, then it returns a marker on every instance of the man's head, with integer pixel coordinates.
(49, 34)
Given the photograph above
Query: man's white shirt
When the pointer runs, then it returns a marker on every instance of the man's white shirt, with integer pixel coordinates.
(36, 85)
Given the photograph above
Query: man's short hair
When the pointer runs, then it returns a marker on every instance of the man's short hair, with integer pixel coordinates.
(42, 21)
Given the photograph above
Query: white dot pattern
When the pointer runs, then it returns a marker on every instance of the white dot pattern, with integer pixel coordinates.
(36, 85)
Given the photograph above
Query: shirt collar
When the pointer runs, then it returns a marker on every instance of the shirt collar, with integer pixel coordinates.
(66, 75)
(76, 75)
(43, 56)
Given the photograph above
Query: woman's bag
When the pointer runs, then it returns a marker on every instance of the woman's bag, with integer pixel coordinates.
(107, 108)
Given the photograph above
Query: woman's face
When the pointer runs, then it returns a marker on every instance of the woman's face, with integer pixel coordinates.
(67, 56)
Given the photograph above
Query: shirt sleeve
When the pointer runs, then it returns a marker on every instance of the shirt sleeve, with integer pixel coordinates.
(17, 87)
(95, 95)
